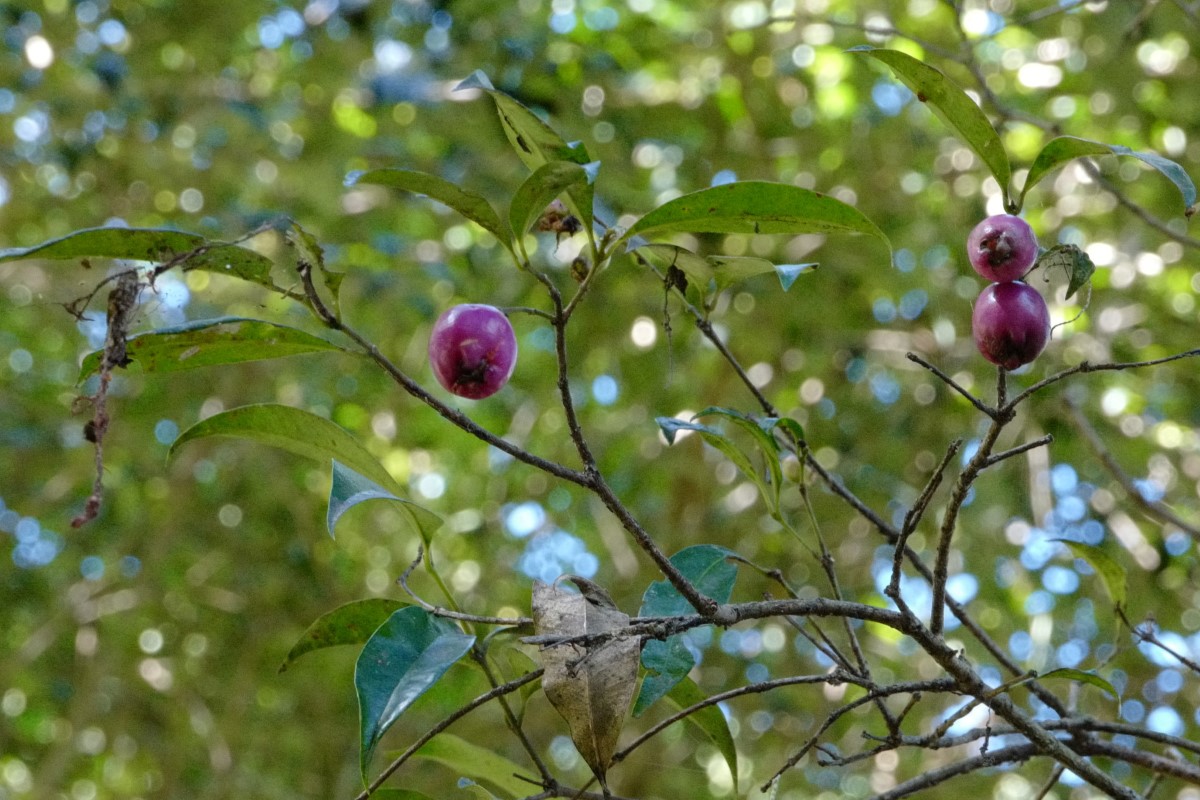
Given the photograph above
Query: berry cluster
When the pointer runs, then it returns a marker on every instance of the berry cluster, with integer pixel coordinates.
(1010, 323)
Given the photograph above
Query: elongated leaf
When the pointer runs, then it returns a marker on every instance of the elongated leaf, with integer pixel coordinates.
(670, 426)
(468, 785)
(471, 205)
(398, 794)
(755, 207)
(475, 762)
(1081, 676)
(1077, 264)
(211, 342)
(402, 659)
(536, 143)
(294, 430)
(153, 245)
(668, 662)
(589, 684)
(1062, 149)
(765, 441)
(352, 623)
(951, 104)
(698, 269)
(349, 488)
(545, 183)
(1112, 573)
(310, 255)
(708, 720)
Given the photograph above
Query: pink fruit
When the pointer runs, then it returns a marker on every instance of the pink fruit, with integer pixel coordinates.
(472, 350)
(1002, 248)
(1011, 324)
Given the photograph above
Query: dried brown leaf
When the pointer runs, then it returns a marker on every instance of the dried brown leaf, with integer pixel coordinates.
(590, 681)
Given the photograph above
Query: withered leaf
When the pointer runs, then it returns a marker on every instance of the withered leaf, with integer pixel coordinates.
(589, 682)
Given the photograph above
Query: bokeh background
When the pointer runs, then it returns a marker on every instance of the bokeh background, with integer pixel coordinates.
(139, 655)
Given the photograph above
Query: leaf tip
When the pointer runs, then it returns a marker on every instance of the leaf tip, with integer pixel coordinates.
(352, 177)
(476, 80)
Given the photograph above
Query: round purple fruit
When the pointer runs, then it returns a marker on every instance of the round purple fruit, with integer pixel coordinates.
(1002, 248)
(1011, 324)
(473, 350)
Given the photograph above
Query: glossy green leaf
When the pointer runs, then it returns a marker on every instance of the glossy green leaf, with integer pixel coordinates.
(709, 721)
(755, 207)
(349, 488)
(352, 623)
(668, 662)
(211, 342)
(475, 762)
(405, 656)
(292, 429)
(153, 245)
(1062, 149)
(471, 205)
(1111, 573)
(951, 104)
(545, 183)
(1080, 676)
(1074, 261)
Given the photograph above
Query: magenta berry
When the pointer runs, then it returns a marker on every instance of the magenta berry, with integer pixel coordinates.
(1011, 324)
(472, 350)
(1002, 248)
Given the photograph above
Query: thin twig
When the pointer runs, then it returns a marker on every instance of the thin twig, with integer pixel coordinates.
(975, 401)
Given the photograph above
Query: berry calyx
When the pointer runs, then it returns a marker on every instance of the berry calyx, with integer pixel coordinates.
(1010, 323)
(1002, 248)
(473, 350)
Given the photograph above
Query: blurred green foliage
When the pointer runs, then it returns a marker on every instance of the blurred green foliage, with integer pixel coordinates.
(138, 655)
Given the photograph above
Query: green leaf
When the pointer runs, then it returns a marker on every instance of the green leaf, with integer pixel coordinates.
(1060, 150)
(210, 342)
(1077, 264)
(545, 183)
(352, 623)
(708, 720)
(471, 205)
(1112, 573)
(668, 662)
(294, 430)
(475, 789)
(154, 245)
(349, 488)
(536, 143)
(951, 104)
(402, 659)
(398, 794)
(755, 207)
(698, 269)
(475, 762)
(1081, 676)
(670, 426)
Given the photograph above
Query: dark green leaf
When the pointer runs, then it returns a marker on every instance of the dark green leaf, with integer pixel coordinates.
(352, 623)
(471, 205)
(710, 721)
(475, 762)
(1081, 676)
(154, 245)
(1077, 264)
(951, 104)
(1112, 573)
(310, 255)
(1060, 150)
(668, 662)
(402, 659)
(349, 488)
(294, 430)
(210, 342)
(755, 207)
